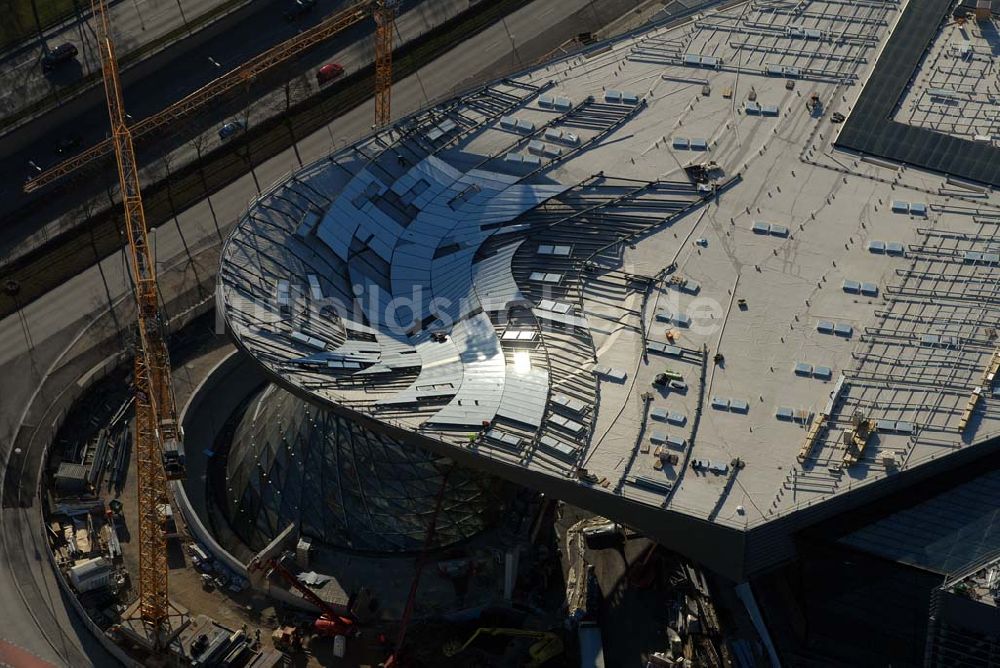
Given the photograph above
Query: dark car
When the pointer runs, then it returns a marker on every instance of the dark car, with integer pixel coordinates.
(328, 73)
(67, 145)
(58, 56)
(298, 8)
(231, 128)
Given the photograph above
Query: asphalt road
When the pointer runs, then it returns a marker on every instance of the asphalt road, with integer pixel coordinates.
(95, 289)
(33, 338)
(186, 66)
(136, 22)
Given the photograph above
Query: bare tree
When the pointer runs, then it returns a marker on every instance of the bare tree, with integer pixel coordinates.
(198, 143)
(246, 140)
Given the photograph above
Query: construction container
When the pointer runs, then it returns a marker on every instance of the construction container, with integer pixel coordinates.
(90, 574)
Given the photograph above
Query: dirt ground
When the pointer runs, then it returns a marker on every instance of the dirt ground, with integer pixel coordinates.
(634, 611)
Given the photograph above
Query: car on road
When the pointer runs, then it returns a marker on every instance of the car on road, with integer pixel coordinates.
(35, 170)
(58, 56)
(67, 145)
(231, 128)
(299, 8)
(328, 73)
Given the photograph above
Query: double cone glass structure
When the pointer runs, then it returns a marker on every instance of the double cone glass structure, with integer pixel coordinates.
(343, 485)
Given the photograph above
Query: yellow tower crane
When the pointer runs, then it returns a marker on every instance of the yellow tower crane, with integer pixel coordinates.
(159, 453)
(158, 438)
(385, 26)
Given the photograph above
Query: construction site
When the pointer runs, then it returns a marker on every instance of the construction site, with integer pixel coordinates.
(434, 333)
(481, 572)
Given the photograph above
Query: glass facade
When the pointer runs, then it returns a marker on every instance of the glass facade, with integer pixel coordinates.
(290, 462)
(945, 533)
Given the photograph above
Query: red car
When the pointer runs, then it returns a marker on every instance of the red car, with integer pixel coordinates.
(328, 73)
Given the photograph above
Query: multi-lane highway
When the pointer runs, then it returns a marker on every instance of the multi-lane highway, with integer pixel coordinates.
(138, 24)
(33, 339)
(181, 69)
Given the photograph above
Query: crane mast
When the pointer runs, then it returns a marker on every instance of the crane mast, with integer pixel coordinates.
(157, 437)
(385, 26)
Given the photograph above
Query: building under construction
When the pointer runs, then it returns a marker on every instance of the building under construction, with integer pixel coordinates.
(544, 278)
(731, 283)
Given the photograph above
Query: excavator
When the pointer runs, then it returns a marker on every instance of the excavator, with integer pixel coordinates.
(331, 622)
(548, 645)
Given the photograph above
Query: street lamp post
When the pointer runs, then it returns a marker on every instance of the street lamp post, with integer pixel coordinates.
(12, 288)
(513, 44)
(38, 25)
